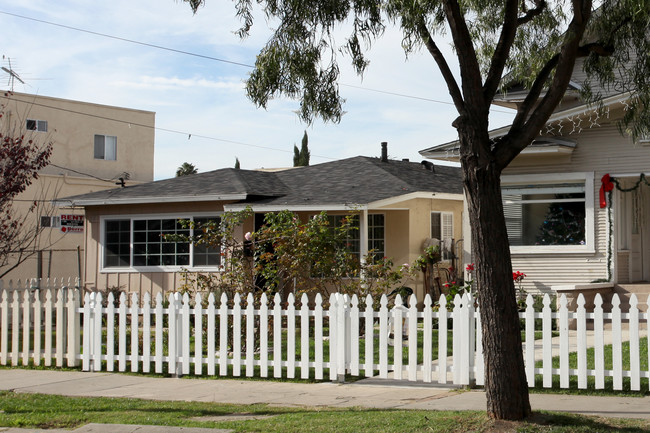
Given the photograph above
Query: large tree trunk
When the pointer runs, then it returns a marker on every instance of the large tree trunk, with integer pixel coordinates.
(505, 378)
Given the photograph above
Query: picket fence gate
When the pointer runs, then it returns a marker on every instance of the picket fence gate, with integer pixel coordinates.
(183, 336)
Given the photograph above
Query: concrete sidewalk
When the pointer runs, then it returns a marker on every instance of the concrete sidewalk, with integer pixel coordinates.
(371, 393)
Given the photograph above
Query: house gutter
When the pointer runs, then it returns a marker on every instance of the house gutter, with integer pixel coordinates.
(296, 208)
(147, 200)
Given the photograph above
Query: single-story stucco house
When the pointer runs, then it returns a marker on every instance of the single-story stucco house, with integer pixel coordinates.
(401, 204)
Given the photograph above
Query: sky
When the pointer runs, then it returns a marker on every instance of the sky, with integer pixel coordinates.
(63, 49)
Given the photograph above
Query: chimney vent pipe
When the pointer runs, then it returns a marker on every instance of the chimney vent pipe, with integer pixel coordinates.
(384, 151)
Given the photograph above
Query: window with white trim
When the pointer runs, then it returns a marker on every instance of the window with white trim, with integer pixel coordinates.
(36, 125)
(545, 214)
(106, 147)
(139, 242)
(442, 228)
(376, 233)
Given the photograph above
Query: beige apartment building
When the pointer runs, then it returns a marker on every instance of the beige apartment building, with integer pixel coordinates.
(95, 147)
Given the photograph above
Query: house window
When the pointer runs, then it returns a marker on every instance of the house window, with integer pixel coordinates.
(376, 235)
(117, 243)
(376, 230)
(36, 125)
(139, 242)
(106, 147)
(442, 228)
(545, 214)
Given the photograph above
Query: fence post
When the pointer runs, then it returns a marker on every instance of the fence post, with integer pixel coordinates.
(4, 325)
(342, 336)
(27, 301)
(398, 333)
(617, 348)
(73, 327)
(97, 332)
(333, 325)
(442, 339)
(175, 335)
(457, 340)
(89, 300)
(354, 336)
(472, 340)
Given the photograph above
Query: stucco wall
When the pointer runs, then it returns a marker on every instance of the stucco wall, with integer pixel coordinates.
(73, 170)
(407, 225)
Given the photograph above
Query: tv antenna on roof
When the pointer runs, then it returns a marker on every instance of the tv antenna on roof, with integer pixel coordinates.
(13, 76)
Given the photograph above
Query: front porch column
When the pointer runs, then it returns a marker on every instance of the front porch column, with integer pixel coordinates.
(363, 238)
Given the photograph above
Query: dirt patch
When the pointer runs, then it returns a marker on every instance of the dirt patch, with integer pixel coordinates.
(503, 426)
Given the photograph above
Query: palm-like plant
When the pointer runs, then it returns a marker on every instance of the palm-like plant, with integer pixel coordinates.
(186, 169)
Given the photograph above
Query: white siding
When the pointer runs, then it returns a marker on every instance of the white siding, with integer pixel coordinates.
(601, 150)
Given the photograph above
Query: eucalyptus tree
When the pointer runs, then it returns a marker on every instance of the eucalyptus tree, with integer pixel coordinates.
(535, 43)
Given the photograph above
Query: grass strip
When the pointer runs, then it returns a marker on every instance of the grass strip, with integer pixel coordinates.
(51, 411)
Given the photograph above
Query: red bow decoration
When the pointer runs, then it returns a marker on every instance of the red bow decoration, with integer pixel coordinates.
(607, 186)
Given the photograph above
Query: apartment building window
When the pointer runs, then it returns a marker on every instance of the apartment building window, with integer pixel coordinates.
(139, 243)
(36, 125)
(105, 147)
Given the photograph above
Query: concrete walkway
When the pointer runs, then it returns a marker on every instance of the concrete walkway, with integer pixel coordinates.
(371, 393)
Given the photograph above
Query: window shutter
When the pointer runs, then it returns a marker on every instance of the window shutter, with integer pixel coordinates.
(447, 226)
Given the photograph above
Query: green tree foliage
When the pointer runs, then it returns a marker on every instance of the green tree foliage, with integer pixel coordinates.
(237, 164)
(535, 43)
(185, 169)
(301, 157)
(288, 254)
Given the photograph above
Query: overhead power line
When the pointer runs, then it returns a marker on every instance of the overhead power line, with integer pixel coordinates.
(218, 59)
(132, 41)
(189, 135)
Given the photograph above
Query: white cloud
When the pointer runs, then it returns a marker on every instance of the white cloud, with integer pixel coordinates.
(203, 97)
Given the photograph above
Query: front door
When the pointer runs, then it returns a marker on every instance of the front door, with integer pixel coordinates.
(639, 210)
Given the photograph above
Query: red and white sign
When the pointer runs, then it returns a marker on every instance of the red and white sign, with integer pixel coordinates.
(72, 223)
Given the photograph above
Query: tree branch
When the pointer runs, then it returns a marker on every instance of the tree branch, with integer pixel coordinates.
(540, 5)
(440, 60)
(470, 71)
(500, 56)
(529, 120)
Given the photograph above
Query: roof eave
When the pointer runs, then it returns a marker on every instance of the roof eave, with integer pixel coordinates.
(295, 208)
(148, 200)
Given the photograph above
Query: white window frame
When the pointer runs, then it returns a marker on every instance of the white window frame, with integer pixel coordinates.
(40, 125)
(368, 227)
(554, 178)
(136, 269)
(446, 225)
(106, 149)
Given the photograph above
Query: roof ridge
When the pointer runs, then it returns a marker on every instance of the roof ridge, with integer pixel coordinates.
(378, 163)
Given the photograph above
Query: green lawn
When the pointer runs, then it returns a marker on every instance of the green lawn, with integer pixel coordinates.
(591, 386)
(49, 411)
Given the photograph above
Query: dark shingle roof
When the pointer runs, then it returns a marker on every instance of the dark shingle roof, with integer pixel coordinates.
(358, 180)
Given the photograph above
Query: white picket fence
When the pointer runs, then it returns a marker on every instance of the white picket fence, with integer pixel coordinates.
(183, 336)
